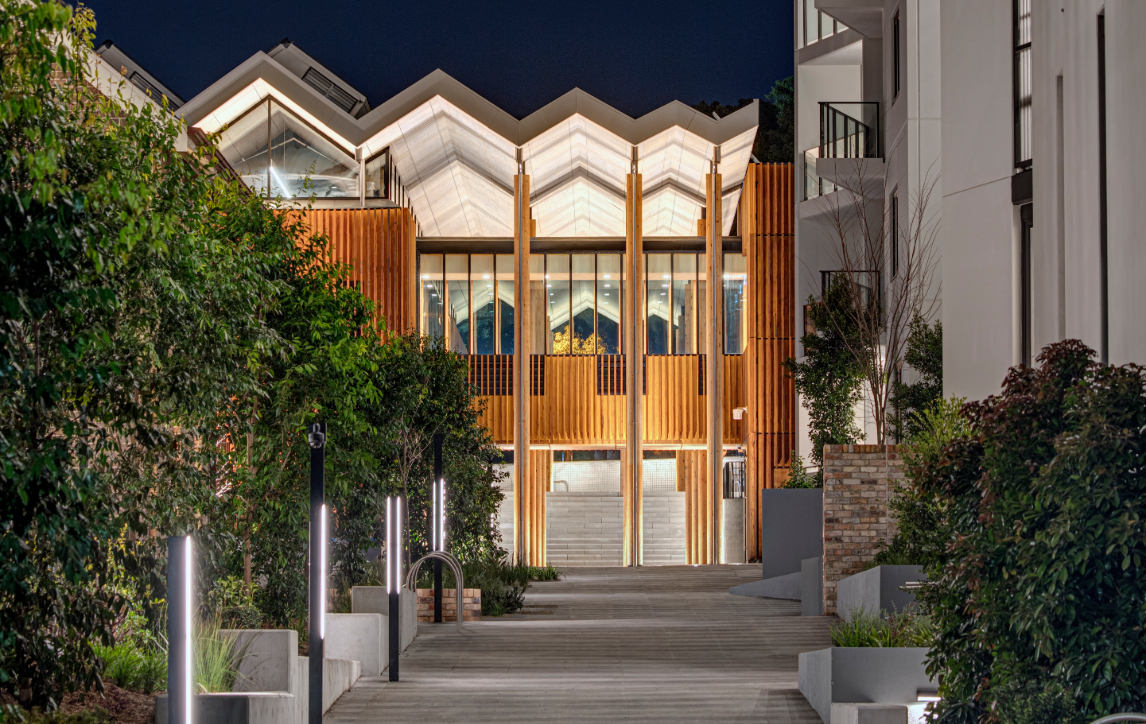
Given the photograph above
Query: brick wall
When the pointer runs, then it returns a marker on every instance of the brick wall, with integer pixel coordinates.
(857, 482)
(471, 604)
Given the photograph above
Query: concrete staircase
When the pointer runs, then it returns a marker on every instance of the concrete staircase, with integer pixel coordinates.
(663, 529)
(583, 530)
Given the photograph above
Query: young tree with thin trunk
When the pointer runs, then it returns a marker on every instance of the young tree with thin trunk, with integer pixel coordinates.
(890, 267)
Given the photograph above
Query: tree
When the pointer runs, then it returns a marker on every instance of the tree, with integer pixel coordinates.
(828, 379)
(909, 400)
(1039, 591)
(890, 268)
(775, 136)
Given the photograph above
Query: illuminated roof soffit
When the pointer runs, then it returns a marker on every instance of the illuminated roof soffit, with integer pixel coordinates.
(456, 152)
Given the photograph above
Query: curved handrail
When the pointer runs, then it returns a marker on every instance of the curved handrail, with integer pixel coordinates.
(459, 580)
(1127, 716)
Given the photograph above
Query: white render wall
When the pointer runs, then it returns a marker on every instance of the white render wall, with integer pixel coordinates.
(1065, 240)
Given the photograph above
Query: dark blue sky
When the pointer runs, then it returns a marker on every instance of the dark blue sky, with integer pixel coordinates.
(519, 55)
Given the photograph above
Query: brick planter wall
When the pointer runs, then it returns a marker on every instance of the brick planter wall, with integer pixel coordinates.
(857, 482)
(471, 604)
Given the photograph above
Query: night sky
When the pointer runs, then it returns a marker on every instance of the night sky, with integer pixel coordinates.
(519, 55)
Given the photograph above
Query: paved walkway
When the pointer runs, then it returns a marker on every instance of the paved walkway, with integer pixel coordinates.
(607, 645)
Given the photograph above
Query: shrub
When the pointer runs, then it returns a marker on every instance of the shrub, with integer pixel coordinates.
(134, 667)
(798, 477)
(502, 583)
(925, 355)
(1039, 587)
(922, 534)
(216, 660)
(883, 630)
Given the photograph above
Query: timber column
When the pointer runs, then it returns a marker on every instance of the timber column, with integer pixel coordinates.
(521, 366)
(714, 354)
(631, 487)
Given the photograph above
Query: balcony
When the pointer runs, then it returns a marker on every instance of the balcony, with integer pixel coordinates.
(865, 16)
(850, 152)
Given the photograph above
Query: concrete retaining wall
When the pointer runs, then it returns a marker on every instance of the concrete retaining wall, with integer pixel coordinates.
(732, 548)
(791, 529)
(374, 599)
(812, 587)
(583, 530)
(358, 637)
(864, 675)
(877, 589)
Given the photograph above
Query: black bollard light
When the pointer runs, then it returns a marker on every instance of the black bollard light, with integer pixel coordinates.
(317, 440)
(394, 577)
(180, 618)
(438, 524)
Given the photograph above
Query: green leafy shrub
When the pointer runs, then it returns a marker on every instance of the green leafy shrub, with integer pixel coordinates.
(134, 667)
(925, 355)
(922, 533)
(883, 630)
(798, 477)
(1039, 585)
(502, 583)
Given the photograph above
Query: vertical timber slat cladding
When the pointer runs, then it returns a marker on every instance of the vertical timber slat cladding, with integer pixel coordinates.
(522, 378)
(733, 397)
(714, 316)
(632, 464)
(378, 245)
(692, 478)
(673, 411)
(767, 211)
(571, 412)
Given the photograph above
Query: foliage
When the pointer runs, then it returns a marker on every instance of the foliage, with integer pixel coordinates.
(502, 583)
(579, 345)
(134, 667)
(925, 355)
(1040, 585)
(887, 630)
(922, 534)
(828, 379)
(216, 662)
(775, 136)
(798, 477)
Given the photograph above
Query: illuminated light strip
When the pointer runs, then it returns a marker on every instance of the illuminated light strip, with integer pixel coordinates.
(322, 574)
(252, 95)
(442, 522)
(187, 633)
(389, 544)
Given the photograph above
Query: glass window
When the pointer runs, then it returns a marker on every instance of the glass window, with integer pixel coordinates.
(683, 303)
(557, 289)
(583, 291)
(701, 303)
(378, 176)
(538, 306)
(505, 302)
(609, 303)
(305, 163)
(458, 309)
(244, 145)
(735, 287)
(485, 309)
(658, 281)
(432, 294)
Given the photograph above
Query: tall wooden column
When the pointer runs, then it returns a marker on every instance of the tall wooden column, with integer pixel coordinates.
(632, 488)
(714, 355)
(522, 227)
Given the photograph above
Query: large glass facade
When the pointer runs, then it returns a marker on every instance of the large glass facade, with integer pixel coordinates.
(675, 302)
(270, 147)
(575, 302)
(658, 288)
(735, 288)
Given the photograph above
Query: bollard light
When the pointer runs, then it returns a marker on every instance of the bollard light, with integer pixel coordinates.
(316, 438)
(394, 577)
(180, 629)
(438, 524)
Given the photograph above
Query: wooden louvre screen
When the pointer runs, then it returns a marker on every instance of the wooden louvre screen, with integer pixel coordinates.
(379, 246)
(767, 213)
(692, 479)
(537, 375)
(611, 374)
(492, 374)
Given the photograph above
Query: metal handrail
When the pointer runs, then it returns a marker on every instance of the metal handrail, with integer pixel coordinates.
(1128, 716)
(459, 579)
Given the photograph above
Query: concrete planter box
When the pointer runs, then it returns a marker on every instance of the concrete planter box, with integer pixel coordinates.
(862, 675)
(812, 587)
(272, 687)
(877, 590)
(791, 526)
(374, 599)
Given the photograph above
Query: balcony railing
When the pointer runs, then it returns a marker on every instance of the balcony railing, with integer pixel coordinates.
(850, 130)
(814, 185)
(867, 284)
